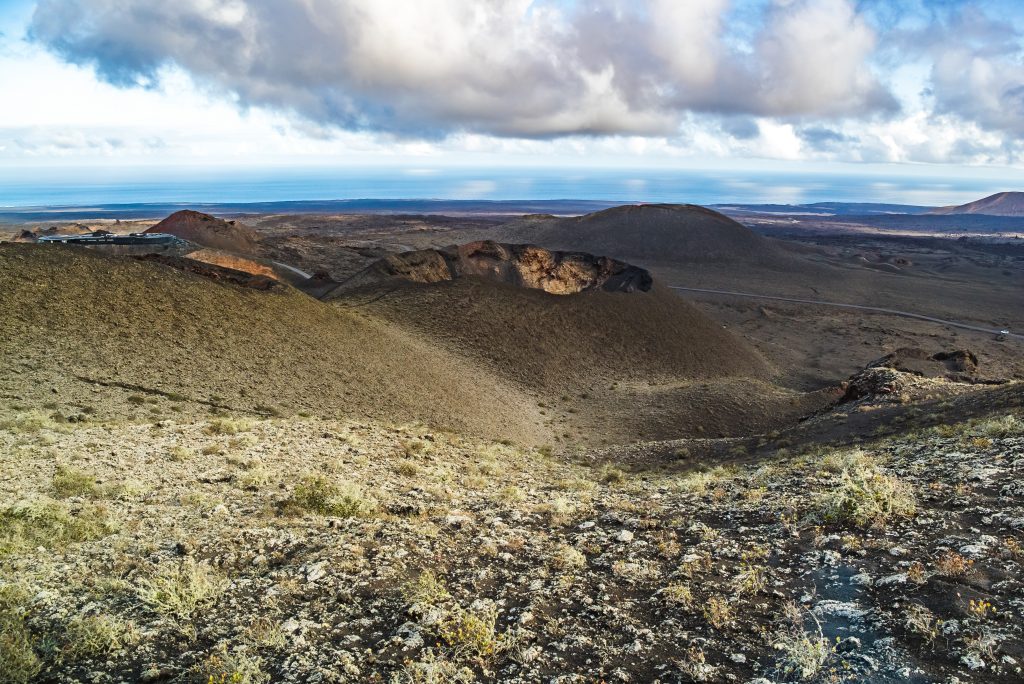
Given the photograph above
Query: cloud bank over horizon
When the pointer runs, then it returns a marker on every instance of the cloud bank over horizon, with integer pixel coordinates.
(939, 81)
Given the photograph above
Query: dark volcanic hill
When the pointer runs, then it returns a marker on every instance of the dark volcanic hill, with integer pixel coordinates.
(648, 233)
(209, 231)
(550, 318)
(999, 204)
(627, 354)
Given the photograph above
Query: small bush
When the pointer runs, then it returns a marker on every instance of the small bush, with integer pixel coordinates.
(568, 558)
(856, 459)
(866, 497)
(19, 663)
(177, 590)
(922, 622)
(612, 475)
(1006, 426)
(265, 633)
(718, 612)
(472, 632)
(51, 524)
(318, 494)
(680, 594)
(408, 468)
(235, 666)
(750, 580)
(89, 636)
(228, 426)
(432, 668)
(255, 478)
(427, 590)
(32, 421)
(68, 482)
(803, 654)
(180, 454)
(558, 511)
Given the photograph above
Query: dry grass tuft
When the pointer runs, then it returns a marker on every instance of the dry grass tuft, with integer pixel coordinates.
(178, 590)
(323, 496)
(19, 663)
(865, 497)
(50, 524)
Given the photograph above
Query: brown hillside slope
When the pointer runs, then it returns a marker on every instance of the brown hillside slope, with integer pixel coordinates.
(999, 204)
(647, 234)
(224, 259)
(208, 231)
(73, 319)
(609, 366)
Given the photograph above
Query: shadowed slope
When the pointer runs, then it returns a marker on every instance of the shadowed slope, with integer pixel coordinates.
(609, 366)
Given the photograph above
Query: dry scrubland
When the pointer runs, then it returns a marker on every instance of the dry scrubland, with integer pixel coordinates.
(205, 482)
(297, 549)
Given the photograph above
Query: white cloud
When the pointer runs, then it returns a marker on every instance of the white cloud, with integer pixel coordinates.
(510, 81)
(505, 67)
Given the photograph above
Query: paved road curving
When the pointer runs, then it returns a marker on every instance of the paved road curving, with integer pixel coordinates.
(292, 269)
(874, 309)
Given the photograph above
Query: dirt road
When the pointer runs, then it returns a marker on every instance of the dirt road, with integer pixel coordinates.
(859, 307)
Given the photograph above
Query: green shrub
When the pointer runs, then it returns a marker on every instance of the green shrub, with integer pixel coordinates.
(228, 426)
(19, 663)
(51, 524)
(178, 590)
(90, 636)
(68, 482)
(236, 666)
(318, 494)
(472, 632)
(32, 421)
(1006, 426)
(802, 654)
(866, 497)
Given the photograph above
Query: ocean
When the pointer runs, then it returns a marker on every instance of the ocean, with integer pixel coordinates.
(75, 187)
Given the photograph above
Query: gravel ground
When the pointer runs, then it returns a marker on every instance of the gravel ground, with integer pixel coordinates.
(308, 550)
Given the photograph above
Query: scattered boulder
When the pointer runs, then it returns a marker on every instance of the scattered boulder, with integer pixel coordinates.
(960, 365)
(873, 382)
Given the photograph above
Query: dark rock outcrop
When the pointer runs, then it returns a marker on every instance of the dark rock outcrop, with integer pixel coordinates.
(561, 273)
(960, 365)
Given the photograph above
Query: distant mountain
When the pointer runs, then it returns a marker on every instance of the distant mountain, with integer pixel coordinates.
(824, 209)
(999, 204)
(647, 233)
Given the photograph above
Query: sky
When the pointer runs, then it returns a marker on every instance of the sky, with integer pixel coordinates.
(908, 86)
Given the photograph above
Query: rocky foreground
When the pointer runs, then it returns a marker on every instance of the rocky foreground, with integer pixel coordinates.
(308, 550)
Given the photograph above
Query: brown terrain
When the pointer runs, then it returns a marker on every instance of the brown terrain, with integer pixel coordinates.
(614, 355)
(999, 204)
(505, 449)
(210, 342)
(208, 231)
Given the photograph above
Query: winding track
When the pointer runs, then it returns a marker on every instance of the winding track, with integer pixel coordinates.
(858, 307)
